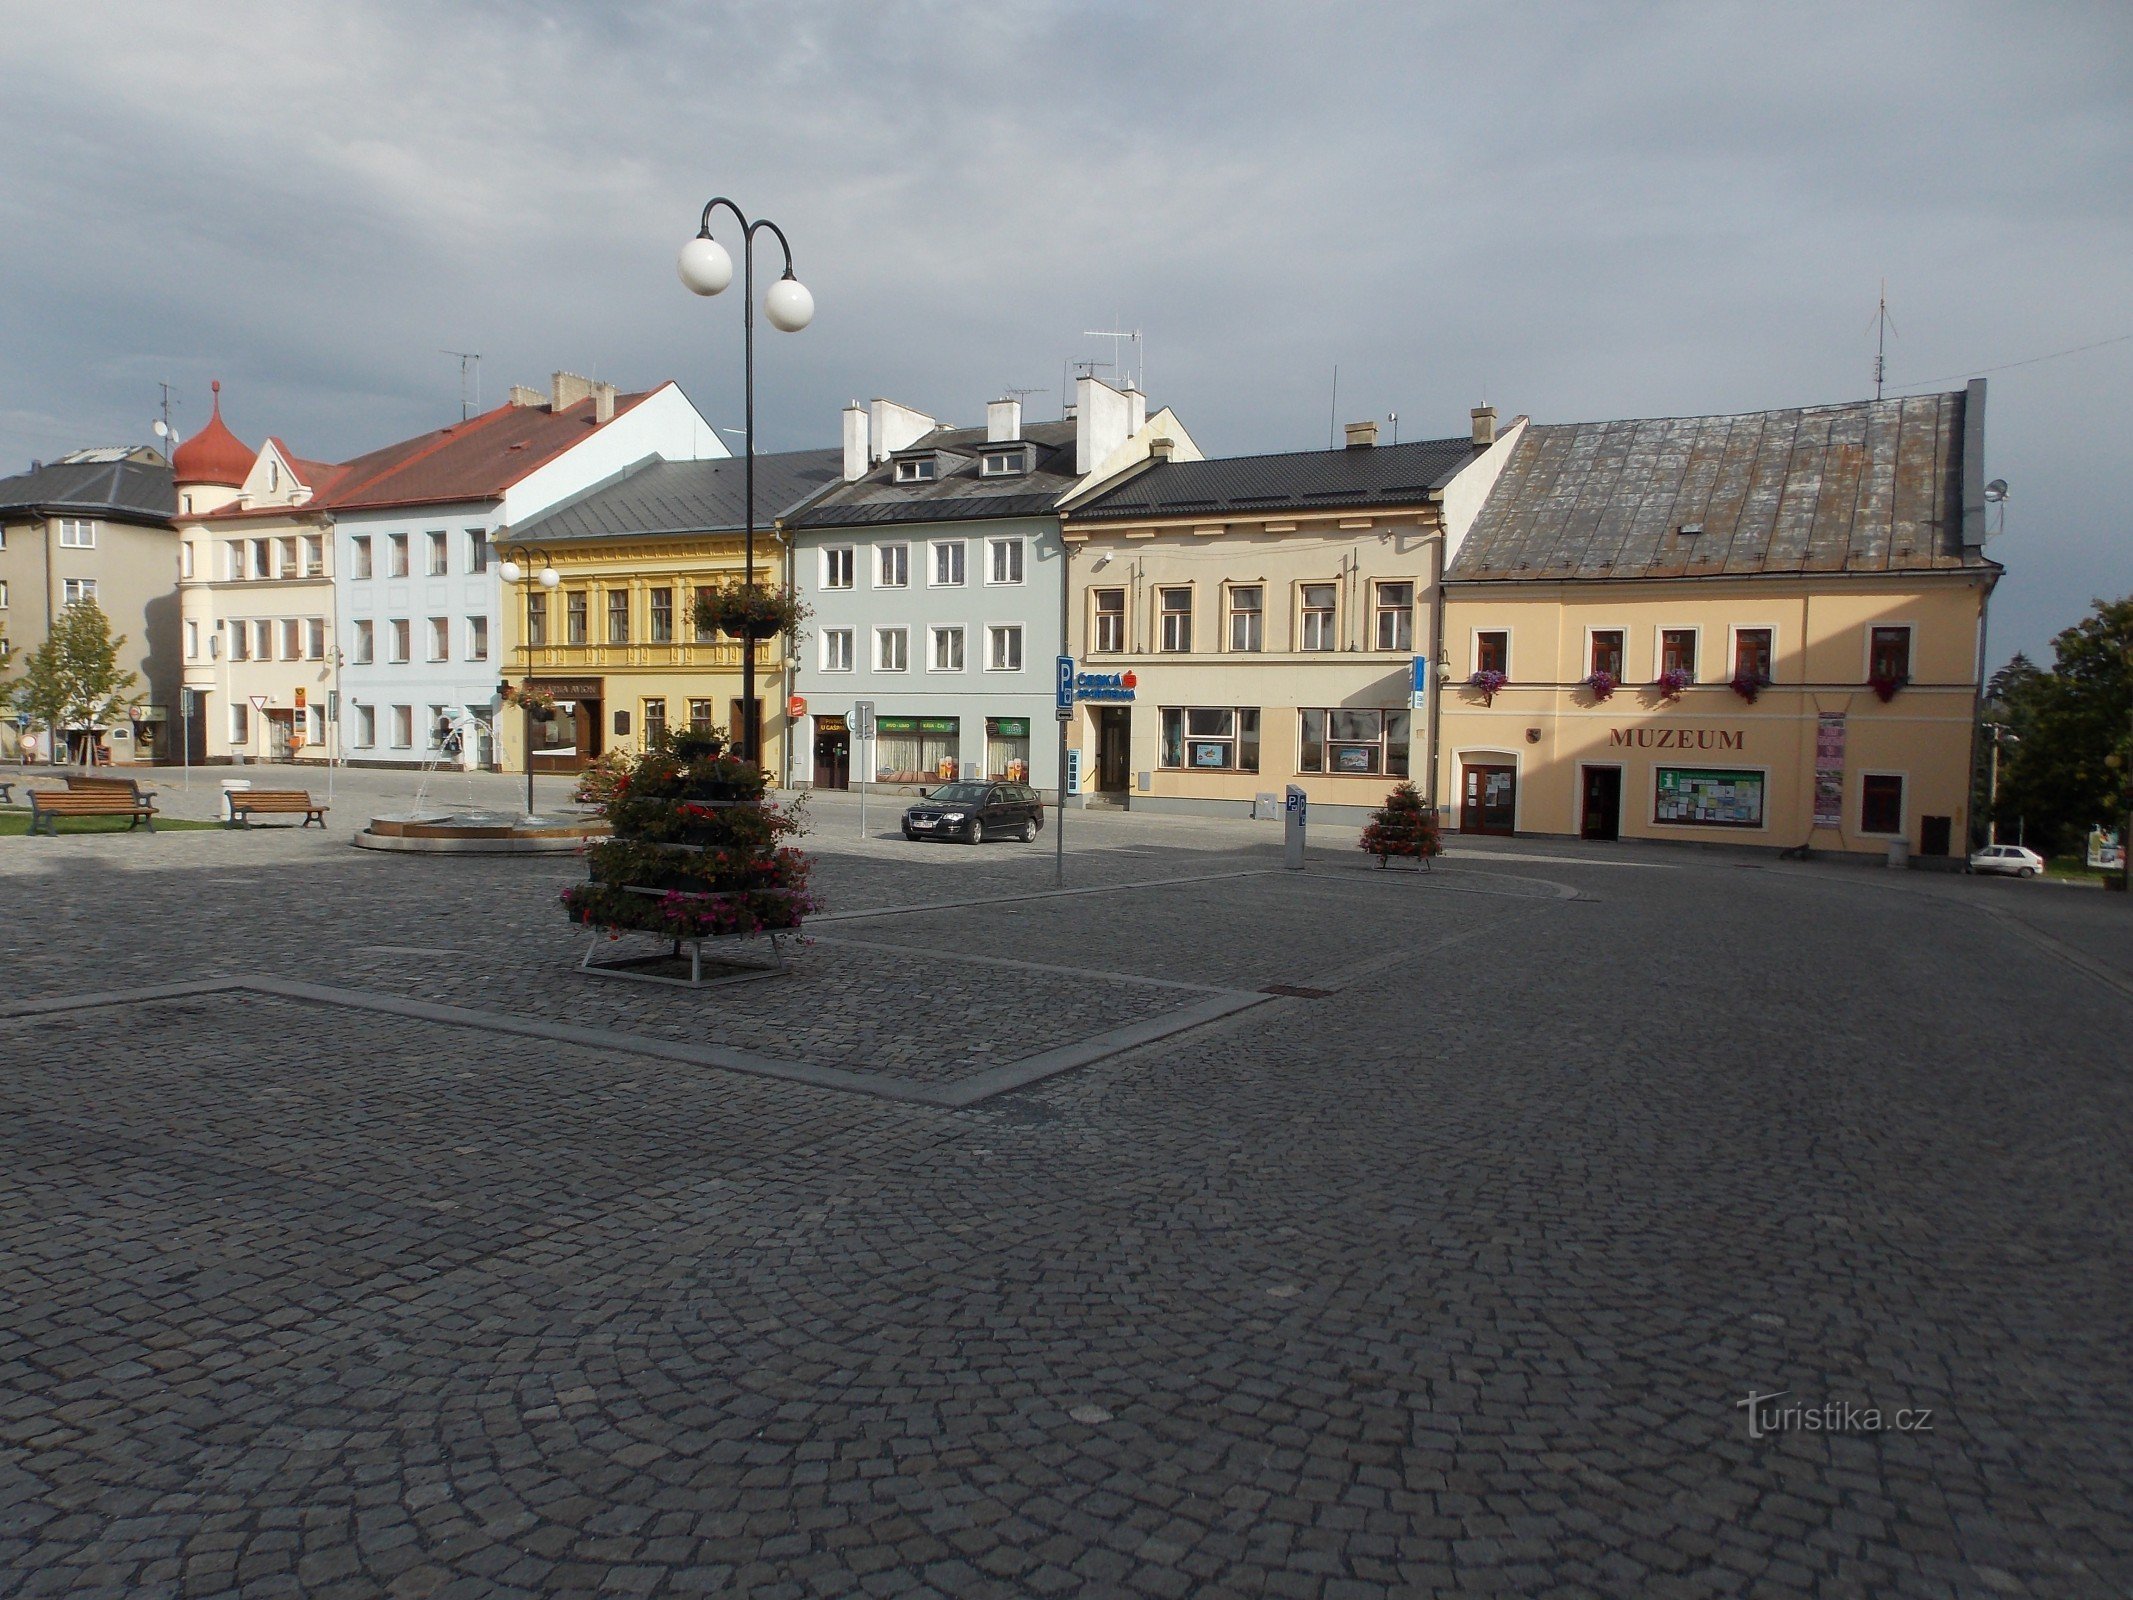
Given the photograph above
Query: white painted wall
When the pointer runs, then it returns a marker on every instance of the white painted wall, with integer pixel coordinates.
(1465, 495)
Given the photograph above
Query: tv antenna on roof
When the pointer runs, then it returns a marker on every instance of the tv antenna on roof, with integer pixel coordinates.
(163, 429)
(1119, 337)
(1881, 339)
(467, 358)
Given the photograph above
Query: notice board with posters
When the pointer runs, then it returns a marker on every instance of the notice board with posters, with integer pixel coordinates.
(1829, 770)
(1709, 797)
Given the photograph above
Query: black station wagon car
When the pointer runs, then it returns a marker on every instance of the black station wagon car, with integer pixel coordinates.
(975, 812)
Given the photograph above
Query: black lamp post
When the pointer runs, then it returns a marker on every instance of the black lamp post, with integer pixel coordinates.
(707, 269)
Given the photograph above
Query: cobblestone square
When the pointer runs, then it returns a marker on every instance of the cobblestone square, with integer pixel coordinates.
(398, 1258)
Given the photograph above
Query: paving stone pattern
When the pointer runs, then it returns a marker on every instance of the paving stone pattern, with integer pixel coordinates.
(1447, 1283)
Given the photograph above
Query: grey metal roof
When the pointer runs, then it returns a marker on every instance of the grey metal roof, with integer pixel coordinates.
(958, 494)
(1873, 486)
(131, 491)
(665, 497)
(1296, 480)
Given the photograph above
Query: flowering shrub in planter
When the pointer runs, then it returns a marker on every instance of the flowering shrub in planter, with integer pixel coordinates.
(1885, 685)
(1487, 684)
(750, 611)
(1673, 681)
(1600, 685)
(1748, 685)
(529, 698)
(598, 783)
(1403, 826)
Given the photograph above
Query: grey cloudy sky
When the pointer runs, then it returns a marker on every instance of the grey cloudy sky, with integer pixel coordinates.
(1576, 211)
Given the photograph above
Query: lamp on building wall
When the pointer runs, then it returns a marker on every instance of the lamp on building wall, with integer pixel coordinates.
(707, 269)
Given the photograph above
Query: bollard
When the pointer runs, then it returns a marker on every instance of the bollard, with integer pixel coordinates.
(1292, 829)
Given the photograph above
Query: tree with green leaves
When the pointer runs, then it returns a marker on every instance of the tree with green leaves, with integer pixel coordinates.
(2073, 765)
(74, 680)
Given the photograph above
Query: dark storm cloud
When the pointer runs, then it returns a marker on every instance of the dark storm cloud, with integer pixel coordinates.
(1577, 212)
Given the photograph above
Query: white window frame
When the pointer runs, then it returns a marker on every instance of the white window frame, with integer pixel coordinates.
(902, 554)
(192, 629)
(403, 728)
(939, 555)
(366, 727)
(1163, 616)
(360, 557)
(1011, 550)
(1380, 612)
(1473, 649)
(440, 631)
(1585, 666)
(1306, 614)
(363, 645)
(882, 637)
(1910, 656)
(477, 638)
(997, 634)
(262, 639)
(1231, 612)
(77, 533)
(939, 636)
(314, 555)
(918, 469)
(186, 558)
(1098, 617)
(292, 639)
(1659, 632)
(839, 566)
(1733, 632)
(837, 650)
(314, 638)
(997, 463)
(477, 551)
(400, 640)
(73, 591)
(436, 554)
(1385, 743)
(396, 555)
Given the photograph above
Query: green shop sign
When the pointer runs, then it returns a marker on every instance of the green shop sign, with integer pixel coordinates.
(919, 724)
(1008, 727)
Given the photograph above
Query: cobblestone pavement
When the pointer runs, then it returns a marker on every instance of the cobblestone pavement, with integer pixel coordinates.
(1451, 1280)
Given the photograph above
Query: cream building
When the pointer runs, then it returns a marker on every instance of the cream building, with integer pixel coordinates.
(1758, 629)
(1248, 623)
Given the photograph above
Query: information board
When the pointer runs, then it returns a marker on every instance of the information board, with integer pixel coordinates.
(1709, 797)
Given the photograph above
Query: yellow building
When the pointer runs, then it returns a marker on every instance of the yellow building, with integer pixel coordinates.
(1249, 623)
(601, 615)
(1760, 629)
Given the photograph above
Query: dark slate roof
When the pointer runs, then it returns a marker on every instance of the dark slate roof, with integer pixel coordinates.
(1874, 486)
(958, 493)
(1298, 480)
(127, 491)
(655, 497)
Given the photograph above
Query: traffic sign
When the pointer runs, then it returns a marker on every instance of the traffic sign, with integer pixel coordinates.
(863, 719)
(259, 702)
(1063, 694)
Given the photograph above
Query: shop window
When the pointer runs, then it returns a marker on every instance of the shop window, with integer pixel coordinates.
(1007, 749)
(893, 566)
(1395, 616)
(948, 564)
(577, 606)
(439, 562)
(1110, 635)
(892, 649)
(662, 616)
(536, 618)
(1004, 557)
(1751, 654)
(837, 564)
(359, 555)
(396, 551)
(836, 649)
(618, 616)
(1176, 611)
(655, 722)
(1492, 651)
(1351, 741)
(1889, 655)
(1881, 803)
(916, 749)
(947, 649)
(1677, 650)
(1003, 648)
(1707, 797)
(1607, 653)
(1247, 618)
(1210, 738)
(1318, 616)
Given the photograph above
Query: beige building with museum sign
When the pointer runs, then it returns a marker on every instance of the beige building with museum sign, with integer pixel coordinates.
(1760, 629)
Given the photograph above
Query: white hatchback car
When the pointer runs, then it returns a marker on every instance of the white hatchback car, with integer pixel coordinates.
(2009, 858)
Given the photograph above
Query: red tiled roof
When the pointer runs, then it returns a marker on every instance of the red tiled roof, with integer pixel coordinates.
(214, 454)
(477, 459)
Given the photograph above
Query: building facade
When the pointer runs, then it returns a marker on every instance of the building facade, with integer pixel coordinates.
(1249, 623)
(96, 525)
(1760, 629)
(614, 641)
(935, 573)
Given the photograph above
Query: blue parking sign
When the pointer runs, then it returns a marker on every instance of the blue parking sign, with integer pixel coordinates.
(1064, 694)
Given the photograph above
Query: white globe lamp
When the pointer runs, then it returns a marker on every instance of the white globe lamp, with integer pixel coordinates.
(704, 265)
(550, 577)
(788, 305)
(510, 572)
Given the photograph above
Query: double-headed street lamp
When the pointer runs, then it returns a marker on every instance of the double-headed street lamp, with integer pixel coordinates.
(511, 572)
(707, 269)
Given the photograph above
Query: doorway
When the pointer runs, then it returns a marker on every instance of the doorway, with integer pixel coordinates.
(1489, 799)
(281, 731)
(833, 753)
(1603, 802)
(1114, 749)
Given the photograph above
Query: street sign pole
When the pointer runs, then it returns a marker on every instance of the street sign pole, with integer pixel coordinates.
(1063, 708)
(1292, 829)
(863, 746)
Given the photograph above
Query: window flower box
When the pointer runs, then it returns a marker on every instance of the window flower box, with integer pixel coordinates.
(1673, 682)
(1600, 685)
(1886, 684)
(1748, 685)
(1488, 685)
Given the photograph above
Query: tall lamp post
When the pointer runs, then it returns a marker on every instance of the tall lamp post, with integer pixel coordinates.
(706, 269)
(511, 572)
(2001, 734)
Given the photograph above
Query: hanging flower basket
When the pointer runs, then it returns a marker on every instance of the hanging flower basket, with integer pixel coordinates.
(534, 701)
(1885, 685)
(1748, 685)
(1600, 685)
(1673, 681)
(750, 611)
(1486, 684)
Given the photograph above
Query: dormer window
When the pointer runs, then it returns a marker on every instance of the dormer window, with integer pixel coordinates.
(1004, 463)
(917, 469)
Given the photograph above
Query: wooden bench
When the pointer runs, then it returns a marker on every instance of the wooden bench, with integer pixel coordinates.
(7, 791)
(89, 783)
(244, 803)
(47, 806)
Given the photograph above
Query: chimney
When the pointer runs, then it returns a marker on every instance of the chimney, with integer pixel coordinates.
(526, 398)
(1003, 421)
(1162, 449)
(1100, 417)
(1362, 435)
(855, 442)
(1484, 424)
(603, 403)
(892, 427)
(566, 389)
(1137, 409)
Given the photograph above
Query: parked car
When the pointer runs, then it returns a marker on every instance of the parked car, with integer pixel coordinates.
(2008, 858)
(975, 812)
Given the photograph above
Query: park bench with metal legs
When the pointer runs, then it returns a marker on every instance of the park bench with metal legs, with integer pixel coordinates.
(246, 804)
(90, 783)
(47, 806)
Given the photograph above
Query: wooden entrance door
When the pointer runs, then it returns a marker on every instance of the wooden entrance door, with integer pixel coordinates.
(1114, 749)
(833, 757)
(1489, 799)
(1603, 802)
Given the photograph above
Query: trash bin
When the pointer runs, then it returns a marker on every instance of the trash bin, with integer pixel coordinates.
(1899, 852)
(232, 786)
